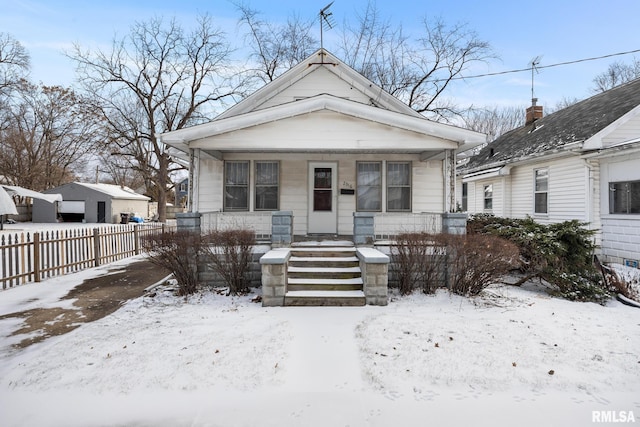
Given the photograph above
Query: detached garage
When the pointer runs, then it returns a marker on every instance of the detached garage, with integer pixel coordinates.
(93, 203)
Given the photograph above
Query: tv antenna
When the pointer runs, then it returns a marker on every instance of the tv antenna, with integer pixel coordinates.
(326, 17)
(534, 67)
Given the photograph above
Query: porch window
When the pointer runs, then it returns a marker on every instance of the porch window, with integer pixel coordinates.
(369, 186)
(624, 197)
(398, 186)
(541, 192)
(236, 186)
(488, 197)
(267, 186)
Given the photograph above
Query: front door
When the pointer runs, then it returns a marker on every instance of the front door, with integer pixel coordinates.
(323, 200)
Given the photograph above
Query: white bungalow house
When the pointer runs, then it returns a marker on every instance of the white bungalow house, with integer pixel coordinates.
(582, 162)
(322, 142)
(321, 151)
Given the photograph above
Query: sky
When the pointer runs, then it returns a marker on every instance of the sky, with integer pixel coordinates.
(556, 31)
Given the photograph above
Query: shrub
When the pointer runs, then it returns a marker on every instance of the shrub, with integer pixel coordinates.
(230, 256)
(560, 253)
(177, 252)
(476, 261)
(419, 261)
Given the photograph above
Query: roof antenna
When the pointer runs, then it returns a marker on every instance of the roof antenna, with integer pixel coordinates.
(325, 16)
(534, 67)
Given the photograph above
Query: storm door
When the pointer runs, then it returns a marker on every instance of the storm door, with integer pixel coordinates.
(323, 209)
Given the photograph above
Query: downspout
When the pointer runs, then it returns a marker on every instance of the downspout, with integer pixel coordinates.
(589, 187)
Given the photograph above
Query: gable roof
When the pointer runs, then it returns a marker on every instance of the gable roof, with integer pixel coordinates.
(377, 96)
(264, 106)
(565, 129)
(114, 191)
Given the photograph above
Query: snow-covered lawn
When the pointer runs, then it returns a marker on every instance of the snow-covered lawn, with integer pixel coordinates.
(513, 357)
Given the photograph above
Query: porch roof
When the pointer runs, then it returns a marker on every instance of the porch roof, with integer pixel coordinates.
(440, 136)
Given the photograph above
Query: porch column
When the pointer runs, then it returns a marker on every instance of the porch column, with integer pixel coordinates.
(375, 275)
(363, 228)
(281, 228)
(449, 168)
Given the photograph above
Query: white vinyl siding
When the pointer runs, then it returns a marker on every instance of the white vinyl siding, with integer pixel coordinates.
(319, 80)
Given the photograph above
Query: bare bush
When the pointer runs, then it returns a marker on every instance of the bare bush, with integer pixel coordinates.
(177, 252)
(476, 261)
(419, 262)
(230, 256)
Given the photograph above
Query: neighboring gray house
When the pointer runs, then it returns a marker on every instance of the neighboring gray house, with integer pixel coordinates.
(582, 162)
(93, 203)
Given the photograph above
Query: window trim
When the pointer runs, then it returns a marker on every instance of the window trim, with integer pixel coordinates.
(629, 200)
(247, 185)
(536, 191)
(256, 185)
(409, 185)
(485, 198)
(381, 186)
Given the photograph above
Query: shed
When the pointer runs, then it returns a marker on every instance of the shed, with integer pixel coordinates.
(100, 203)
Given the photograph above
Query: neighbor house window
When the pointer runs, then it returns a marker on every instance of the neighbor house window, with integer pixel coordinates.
(541, 192)
(488, 197)
(465, 196)
(236, 186)
(624, 197)
(369, 186)
(398, 186)
(267, 186)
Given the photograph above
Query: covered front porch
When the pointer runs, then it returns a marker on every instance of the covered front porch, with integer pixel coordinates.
(321, 269)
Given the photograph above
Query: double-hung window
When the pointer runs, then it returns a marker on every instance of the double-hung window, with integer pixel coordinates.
(236, 186)
(237, 183)
(541, 191)
(624, 197)
(369, 186)
(488, 197)
(267, 186)
(465, 196)
(398, 186)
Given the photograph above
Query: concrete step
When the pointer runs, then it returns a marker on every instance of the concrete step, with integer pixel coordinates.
(323, 261)
(324, 298)
(312, 252)
(325, 284)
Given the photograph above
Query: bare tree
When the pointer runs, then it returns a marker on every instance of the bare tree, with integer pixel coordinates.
(616, 74)
(494, 121)
(444, 54)
(156, 79)
(47, 134)
(14, 63)
(275, 48)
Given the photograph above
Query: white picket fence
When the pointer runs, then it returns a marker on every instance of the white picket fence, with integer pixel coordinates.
(33, 256)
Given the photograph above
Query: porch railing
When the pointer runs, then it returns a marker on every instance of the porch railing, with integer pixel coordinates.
(387, 225)
(259, 222)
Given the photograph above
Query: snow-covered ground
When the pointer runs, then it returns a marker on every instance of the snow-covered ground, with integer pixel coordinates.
(513, 357)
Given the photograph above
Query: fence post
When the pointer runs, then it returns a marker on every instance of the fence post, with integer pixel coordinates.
(136, 239)
(96, 247)
(36, 256)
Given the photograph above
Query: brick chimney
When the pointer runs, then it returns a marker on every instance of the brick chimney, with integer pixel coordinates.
(534, 112)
